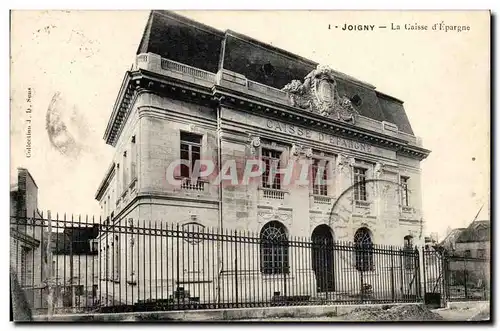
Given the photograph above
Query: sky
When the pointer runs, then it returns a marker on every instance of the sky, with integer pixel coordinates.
(81, 57)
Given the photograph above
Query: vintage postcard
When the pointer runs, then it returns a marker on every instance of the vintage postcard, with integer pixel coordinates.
(250, 166)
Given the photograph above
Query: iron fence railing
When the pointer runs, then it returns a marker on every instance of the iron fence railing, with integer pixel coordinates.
(80, 265)
(453, 277)
(466, 278)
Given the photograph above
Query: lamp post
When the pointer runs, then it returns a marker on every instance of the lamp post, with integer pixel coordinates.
(70, 238)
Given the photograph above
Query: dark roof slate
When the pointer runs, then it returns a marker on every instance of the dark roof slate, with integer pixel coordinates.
(186, 41)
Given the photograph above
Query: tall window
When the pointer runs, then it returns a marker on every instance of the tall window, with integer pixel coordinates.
(404, 191)
(125, 171)
(190, 153)
(274, 249)
(109, 207)
(107, 265)
(23, 280)
(363, 249)
(133, 159)
(360, 184)
(408, 253)
(118, 187)
(116, 258)
(131, 251)
(270, 177)
(319, 177)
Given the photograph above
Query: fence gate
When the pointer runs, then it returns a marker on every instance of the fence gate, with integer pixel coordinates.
(434, 277)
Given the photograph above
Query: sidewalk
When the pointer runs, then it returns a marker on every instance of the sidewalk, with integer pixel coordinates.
(473, 312)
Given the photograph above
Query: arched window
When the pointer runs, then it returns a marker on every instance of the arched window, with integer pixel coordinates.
(408, 253)
(363, 249)
(274, 249)
(116, 258)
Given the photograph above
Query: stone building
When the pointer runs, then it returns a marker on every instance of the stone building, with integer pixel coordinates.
(27, 258)
(199, 94)
(75, 268)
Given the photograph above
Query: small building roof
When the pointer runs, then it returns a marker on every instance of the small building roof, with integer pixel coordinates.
(477, 231)
(74, 240)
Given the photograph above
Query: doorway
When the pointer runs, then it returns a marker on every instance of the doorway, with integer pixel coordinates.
(322, 258)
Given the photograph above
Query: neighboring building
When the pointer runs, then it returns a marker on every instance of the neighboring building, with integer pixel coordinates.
(449, 242)
(75, 267)
(27, 256)
(474, 241)
(197, 93)
(467, 253)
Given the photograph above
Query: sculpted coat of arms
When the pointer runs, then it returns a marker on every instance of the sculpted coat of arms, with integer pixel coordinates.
(319, 94)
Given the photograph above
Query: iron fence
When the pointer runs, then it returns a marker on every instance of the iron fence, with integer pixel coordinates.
(80, 265)
(466, 278)
(452, 277)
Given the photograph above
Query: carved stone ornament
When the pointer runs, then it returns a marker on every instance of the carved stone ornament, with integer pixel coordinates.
(344, 160)
(318, 94)
(283, 216)
(309, 153)
(379, 169)
(256, 142)
(296, 150)
(254, 145)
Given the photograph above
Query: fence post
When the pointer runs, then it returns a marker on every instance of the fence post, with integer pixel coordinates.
(418, 291)
(176, 286)
(48, 266)
(445, 280)
(286, 266)
(401, 274)
(362, 284)
(424, 271)
(236, 266)
(392, 276)
(465, 278)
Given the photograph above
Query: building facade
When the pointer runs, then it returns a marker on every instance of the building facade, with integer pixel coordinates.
(75, 268)
(27, 258)
(229, 102)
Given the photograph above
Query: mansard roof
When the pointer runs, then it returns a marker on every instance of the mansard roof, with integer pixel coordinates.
(186, 41)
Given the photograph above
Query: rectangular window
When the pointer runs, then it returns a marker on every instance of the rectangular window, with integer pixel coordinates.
(319, 177)
(107, 269)
(190, 153)
(24, 267)
(408, 253)
(116, 259)
(125, 171)
(131, 253)
(133, 159)
(118, 187)
(271, 178)
(404, 191)
(481, 254)
(467, 253)
(360, 184)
